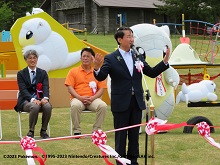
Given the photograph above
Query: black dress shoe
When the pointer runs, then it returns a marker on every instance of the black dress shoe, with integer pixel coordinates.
(162, 132)
(30, 134)
(77, 134)
(44, 135)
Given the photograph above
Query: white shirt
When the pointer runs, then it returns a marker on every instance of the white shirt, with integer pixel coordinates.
(30, 73)
(127, 56)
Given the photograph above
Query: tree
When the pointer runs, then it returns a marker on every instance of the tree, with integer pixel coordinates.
(6, 15)
(204, 10)
(215, 9)
(14, 9)
(20, 7)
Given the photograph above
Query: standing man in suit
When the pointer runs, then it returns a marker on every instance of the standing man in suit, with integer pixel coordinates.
(127, 95)
(34, 93)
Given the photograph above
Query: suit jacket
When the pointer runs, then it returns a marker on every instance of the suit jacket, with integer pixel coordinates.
(122, 82)
(26, 89)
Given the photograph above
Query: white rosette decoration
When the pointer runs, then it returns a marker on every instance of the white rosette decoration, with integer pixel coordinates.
(93, 86)
(99, 138)
(139, 65)
(151, 127)
(29, 145)
(204, 131)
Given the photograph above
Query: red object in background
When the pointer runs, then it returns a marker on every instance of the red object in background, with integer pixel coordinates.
(8, 93)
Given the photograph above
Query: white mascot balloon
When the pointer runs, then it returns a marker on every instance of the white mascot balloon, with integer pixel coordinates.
(36, 34)
(202, 91)
(153, 40)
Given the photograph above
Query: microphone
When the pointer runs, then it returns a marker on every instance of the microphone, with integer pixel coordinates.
(135, 50)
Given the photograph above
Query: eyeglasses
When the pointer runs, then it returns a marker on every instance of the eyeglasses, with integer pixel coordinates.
(32, 58)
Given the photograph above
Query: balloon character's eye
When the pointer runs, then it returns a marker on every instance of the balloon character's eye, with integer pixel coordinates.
(29, 35)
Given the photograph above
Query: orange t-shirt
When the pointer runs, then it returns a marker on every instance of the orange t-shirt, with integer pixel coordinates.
(79, 79)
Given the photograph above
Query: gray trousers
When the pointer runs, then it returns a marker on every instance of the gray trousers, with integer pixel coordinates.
(34, 110)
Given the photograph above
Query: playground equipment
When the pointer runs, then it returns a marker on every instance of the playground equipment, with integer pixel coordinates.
(201, 36)
(8, 58)
(8, 93)
(184, 39)
(215, 42)
(185, 57)
(198, 53)
(8, 85)
(6, 36)
(203, 47)
(3, 59)
(73, 30)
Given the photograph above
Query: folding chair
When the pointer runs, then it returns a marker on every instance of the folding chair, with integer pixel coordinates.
(19, 124)
(71, 123)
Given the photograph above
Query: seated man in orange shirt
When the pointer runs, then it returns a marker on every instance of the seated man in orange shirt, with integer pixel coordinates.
(85, 91)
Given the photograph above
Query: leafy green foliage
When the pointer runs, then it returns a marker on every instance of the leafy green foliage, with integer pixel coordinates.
(5, 19)
(11, 10)
(205, 10)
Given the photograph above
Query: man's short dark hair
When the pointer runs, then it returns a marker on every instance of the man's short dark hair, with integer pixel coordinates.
(88, 50)
(120, 33)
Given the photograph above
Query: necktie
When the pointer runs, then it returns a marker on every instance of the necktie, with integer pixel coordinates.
(33, 81)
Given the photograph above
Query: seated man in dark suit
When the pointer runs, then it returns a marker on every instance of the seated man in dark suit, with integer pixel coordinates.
(34, 93)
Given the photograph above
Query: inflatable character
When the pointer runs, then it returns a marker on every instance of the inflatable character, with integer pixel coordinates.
(35, 11)
(37, 34)
(154, 40)
(202, 91)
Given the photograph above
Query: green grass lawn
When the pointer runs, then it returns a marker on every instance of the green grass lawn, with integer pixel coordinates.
(105, 42)
(172, 148)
